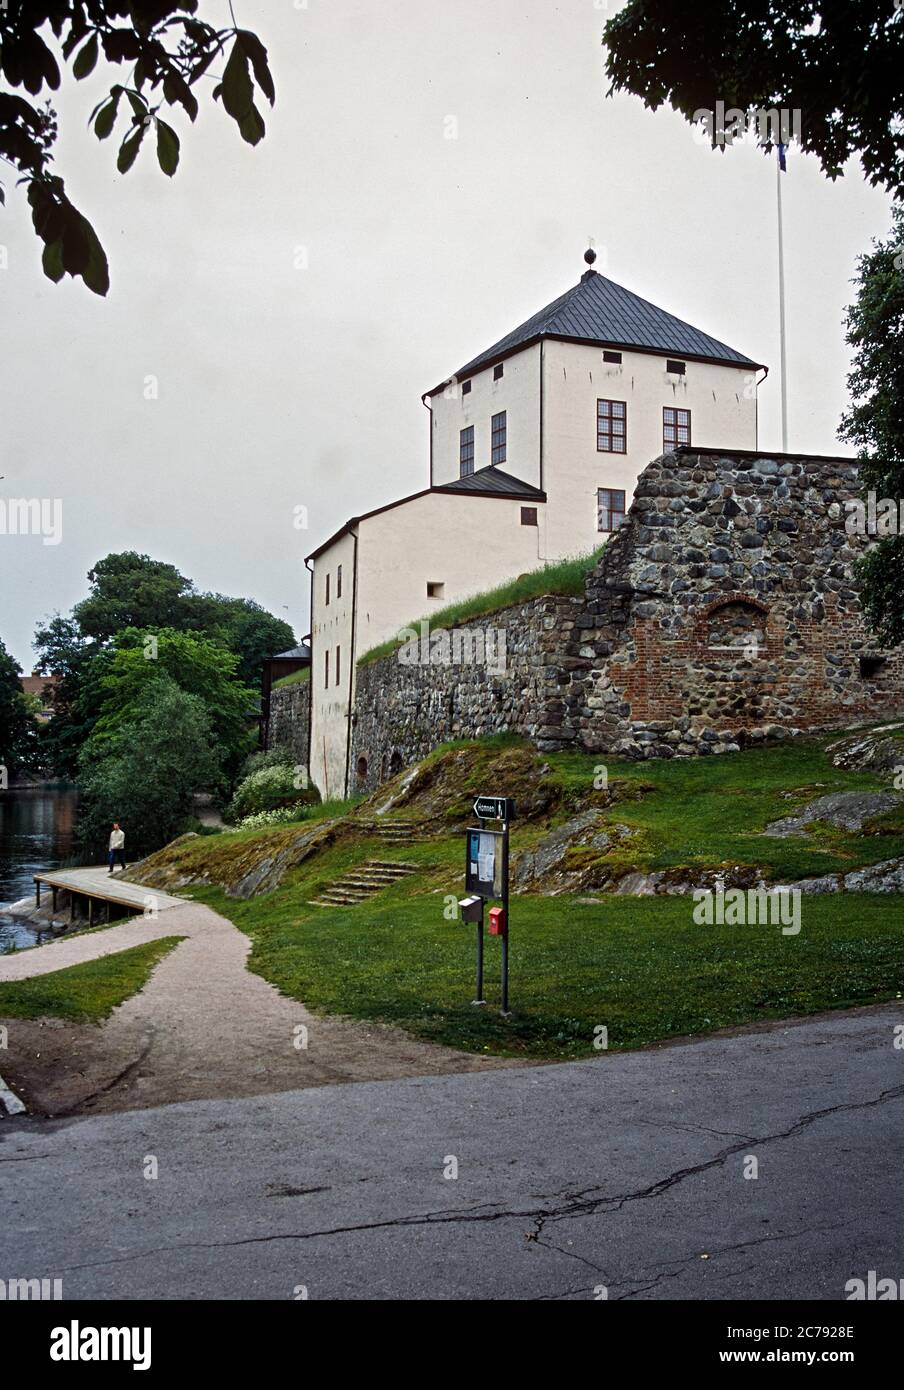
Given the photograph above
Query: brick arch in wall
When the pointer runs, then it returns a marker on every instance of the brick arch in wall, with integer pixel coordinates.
(735, 621)
(735, 643)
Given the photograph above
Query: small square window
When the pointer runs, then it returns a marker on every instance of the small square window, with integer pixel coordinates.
(435, 589)
(871, 667)
(498, 371)
(676, 368)
(528, 516)
(614, 357)
(465, 388)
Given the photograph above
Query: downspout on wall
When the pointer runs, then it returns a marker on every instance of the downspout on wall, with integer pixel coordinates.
(756, 409)
(311, 645)
(542, 346)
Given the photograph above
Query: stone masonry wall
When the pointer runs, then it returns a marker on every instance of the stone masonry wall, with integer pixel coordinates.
(403, 711)
(723, 612)
(290, 708)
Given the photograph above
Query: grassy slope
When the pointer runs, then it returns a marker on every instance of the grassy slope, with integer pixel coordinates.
(711, 811)
(567, 577)
(87, 992)
(639, 966)
(296, 678)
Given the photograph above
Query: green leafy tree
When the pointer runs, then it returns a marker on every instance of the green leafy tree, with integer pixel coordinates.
(875, 421)
(246, 629)
(145, 775)
(18, 727)
(119, 677)
(132, 590)
(841, 65)
(164, 51)
(63, 650)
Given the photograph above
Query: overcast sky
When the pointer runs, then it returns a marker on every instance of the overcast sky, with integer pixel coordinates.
(282, 387)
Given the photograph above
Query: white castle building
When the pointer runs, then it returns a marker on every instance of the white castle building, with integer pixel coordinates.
(535, 448)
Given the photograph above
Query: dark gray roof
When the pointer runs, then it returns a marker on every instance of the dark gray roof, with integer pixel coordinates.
(596, 310)
(495, 482)
(301, 653)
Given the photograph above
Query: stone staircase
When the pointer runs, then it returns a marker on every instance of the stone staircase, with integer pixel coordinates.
(394, 832)
(360, 884)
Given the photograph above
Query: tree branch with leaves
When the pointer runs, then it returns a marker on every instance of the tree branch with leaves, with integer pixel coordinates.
(165, 48)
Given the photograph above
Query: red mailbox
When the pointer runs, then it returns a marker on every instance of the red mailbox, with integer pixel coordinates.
(498, 922)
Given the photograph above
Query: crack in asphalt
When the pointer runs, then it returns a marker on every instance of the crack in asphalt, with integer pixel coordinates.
(574, 1204)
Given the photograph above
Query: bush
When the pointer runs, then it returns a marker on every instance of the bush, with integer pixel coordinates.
(261, 819)
(274, 757)
(269, 788)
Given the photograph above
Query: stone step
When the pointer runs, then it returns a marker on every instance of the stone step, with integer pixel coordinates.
(335, 898)
(369, 885)
(391, 864)
(388, 831)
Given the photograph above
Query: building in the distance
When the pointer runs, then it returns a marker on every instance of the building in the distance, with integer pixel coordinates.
(276, 668)
(535, 448)
(42, 688)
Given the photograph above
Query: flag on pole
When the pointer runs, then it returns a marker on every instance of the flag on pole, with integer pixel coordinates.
(781, 159)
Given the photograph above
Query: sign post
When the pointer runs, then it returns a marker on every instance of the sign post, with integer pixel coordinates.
(487, 879)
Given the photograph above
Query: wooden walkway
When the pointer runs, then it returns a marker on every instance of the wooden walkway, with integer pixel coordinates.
(95, 886)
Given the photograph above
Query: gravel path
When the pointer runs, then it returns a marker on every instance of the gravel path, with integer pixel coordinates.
(203, 1027)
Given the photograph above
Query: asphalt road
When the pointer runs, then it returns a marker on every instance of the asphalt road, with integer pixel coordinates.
(626, 1173)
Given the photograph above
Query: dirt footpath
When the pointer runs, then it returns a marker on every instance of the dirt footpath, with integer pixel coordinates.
(203, 1027)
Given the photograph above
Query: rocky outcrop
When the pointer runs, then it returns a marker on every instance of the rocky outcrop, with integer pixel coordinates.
(556, 863)
(845, 810)
(879, 750)
(243, 869)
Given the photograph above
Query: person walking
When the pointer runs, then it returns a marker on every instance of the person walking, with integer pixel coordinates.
(117, 848)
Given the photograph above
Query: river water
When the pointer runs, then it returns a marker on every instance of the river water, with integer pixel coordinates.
(37, 831)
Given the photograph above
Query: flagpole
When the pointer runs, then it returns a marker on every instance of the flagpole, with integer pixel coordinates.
(781, 306)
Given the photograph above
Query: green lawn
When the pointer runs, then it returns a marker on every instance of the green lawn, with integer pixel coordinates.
(88, 992)
(641, 967)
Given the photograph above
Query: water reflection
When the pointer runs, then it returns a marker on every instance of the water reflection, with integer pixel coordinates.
(37, 831)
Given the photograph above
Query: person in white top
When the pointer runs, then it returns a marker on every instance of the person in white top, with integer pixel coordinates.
(117, 848)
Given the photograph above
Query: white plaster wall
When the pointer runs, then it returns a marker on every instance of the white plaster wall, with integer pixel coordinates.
(722, 401)
(469, 544)
(331, 627)
(517, 393)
